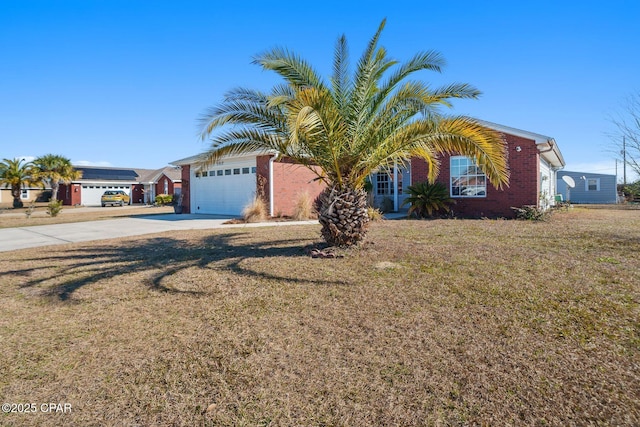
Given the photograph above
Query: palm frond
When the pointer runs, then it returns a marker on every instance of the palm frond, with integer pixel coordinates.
(467, 137)
(290, 67)
(340, 82)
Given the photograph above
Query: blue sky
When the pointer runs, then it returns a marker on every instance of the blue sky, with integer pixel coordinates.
(122, 83)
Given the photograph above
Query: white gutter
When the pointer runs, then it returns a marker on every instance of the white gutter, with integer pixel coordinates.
(271, 160)
(395, 184)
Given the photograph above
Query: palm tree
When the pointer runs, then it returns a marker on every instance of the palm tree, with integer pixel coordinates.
(352, 126)
(16, 175)
(55, 170)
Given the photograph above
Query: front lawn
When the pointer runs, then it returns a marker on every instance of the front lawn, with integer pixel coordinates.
(11, 218)
(444, 322)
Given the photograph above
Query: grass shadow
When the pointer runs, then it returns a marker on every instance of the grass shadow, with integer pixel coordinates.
(165, 256)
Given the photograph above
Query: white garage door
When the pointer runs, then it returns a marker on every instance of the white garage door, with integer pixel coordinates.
(223, 189)
(91, 193)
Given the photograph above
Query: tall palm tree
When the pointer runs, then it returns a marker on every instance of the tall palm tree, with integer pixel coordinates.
(352, 126)
(55, 170)
(17, 175)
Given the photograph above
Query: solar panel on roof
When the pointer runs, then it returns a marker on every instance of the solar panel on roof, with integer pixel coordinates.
(108, 174)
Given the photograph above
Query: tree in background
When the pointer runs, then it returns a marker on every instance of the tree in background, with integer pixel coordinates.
(17, 174)
(626, 138)
(54, 170)
(351, 126)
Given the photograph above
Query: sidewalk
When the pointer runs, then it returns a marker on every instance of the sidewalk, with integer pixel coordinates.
(57, 234)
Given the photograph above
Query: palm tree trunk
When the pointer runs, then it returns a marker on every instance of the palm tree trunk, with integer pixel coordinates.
(54, 190)
(343, 215)
(15, 192)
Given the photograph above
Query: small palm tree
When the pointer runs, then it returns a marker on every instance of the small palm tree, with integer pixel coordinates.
(426, 199)
(55, 169)
(17, 174)
(349, 127)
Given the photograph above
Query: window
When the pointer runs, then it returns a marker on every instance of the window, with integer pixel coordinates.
(467, 180)
(197, 174)
(227, 171)
(592, 184)
(219, 172)
(253, 169)
(245, 170)
(212, 173)
(205, 173)
(383, 181)
(236, 171)
(24, 194)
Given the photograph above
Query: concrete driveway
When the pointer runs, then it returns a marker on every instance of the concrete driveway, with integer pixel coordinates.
(57, 234)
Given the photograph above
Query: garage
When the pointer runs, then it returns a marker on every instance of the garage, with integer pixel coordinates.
(224, 189)
(92, 192)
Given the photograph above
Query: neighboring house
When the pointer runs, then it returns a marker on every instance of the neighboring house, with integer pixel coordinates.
(231, 184)
(167, 180)
(27, 194)
(95, 181)
(142, 185)
(589, 188)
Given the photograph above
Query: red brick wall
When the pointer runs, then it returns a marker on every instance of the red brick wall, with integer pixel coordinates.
(523, 184)
(137, 194)
(186, 199)
(289, 182)
(170, 187)
(70, 194)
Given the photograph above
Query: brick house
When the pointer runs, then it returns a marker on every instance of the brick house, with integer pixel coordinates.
(141, 184)
(167, 180)
(227, 187)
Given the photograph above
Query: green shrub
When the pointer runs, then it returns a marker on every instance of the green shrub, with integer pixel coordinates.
(530, 213)
(631, 191)
(386, 205)
(428, 199)
(164, 199)
(54, 208)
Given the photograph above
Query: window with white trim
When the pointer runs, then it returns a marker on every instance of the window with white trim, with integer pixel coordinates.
(24, 194)
(467, 179)
(384, 183)
(592, 184)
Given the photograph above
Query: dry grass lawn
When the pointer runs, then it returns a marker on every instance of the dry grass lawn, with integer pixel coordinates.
(10, 217)
(444, 322)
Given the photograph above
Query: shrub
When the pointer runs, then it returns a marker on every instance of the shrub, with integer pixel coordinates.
(54, 208)
(386, 205)
(374, 214)
(631, 191)
(30, 209)
(255, 211)
(428, 199)
(164, 199)
(303, 208)
(531, 213)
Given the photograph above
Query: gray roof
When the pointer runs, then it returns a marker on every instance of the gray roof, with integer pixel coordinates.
(95, 173)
